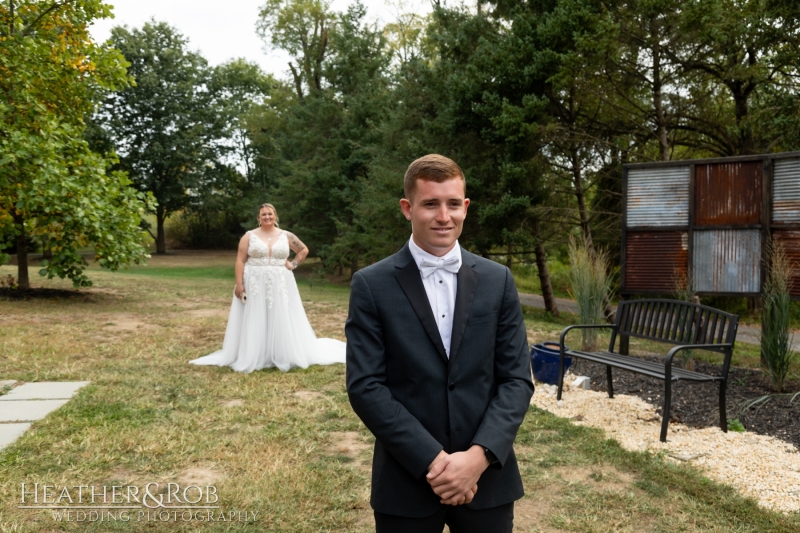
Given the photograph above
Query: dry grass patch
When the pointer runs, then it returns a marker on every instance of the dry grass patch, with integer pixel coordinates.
(605, 477)
(532, 512)
(124, 323)
(351, 447)
(208, 313)
(308, 395)
(200, 476)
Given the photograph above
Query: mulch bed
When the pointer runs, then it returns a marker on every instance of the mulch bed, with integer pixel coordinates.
(41, 294)
(696, 404)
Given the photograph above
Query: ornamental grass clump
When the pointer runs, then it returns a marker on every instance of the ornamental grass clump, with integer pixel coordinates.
(590, 286)
(684, 291)
(776, 341)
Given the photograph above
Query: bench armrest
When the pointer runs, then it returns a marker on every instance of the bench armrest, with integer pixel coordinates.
(675, 350)
(580, 326)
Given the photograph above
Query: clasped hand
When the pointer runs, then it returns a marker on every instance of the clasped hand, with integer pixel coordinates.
(454, 477)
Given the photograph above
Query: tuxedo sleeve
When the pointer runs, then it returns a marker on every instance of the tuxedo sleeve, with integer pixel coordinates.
(512, 372)
(403, 436)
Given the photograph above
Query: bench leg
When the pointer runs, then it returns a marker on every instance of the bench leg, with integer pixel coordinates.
(723, 417)
(560, 379)
(665, 414)
(610, 383)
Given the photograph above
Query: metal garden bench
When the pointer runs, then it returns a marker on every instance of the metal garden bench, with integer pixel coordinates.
(688, 325)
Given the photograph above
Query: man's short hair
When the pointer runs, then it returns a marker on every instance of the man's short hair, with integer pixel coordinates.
(431, 167)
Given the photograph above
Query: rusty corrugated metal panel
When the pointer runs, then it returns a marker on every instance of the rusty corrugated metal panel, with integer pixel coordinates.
(727, 261)
(790, 241)
(728, 193)
(658, 197)
(655, 261)
(786, 190)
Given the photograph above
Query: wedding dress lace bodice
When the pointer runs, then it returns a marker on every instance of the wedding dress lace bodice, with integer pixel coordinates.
(260, 253)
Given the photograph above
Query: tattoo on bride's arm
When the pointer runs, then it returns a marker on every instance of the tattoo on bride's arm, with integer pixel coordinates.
(300, 250)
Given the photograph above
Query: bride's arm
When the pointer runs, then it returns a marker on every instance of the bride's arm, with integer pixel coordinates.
(241, 257)
(300, 251)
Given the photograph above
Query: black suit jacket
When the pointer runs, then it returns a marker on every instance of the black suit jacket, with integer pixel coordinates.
(415, 400)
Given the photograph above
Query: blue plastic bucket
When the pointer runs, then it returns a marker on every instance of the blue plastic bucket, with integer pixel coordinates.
(546, 361)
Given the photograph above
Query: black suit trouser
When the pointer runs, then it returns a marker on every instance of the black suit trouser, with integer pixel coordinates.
(460, 519)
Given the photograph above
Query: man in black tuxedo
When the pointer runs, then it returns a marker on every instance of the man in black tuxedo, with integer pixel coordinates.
(438, 369)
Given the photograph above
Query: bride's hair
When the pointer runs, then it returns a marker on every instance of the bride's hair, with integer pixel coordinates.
(277, 218)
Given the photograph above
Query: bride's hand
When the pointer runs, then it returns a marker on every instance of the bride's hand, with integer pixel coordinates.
(239, 290)
(289, 265)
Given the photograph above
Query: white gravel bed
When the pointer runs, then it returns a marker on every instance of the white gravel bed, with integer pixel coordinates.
(764, 468)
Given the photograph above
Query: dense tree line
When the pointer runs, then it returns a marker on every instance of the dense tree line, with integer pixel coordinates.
(540, 101)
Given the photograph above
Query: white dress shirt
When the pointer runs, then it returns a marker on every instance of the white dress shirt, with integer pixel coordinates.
(440, 286)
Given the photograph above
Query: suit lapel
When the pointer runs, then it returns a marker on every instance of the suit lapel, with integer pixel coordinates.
(411, 283)
(465, 294)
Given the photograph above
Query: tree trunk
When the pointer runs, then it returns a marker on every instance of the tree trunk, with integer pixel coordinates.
(353, 265)
(509, 256)
(23, 282)
(47, 252)
(580, 196)
(298, 83)
(161, 240)
(661, 121)
(544, 275)
(583, 212)
(746, 141)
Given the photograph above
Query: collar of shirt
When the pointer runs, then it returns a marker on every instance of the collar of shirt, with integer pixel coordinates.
(419, 254)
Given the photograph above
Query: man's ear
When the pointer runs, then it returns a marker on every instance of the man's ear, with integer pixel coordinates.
(405, 207)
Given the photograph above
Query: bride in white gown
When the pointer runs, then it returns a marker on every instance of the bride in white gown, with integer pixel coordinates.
(267, 325)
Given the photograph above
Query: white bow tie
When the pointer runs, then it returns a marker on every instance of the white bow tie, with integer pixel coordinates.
(429, 267)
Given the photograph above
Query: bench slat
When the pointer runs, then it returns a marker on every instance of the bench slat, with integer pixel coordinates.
(641, 366)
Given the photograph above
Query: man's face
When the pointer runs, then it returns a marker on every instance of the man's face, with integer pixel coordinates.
(437, 212)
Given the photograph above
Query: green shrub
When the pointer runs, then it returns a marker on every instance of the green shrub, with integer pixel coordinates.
(734, 424)
(684, 291)
(204, 231)
(590, 285)
(776, 341)
(526, 276)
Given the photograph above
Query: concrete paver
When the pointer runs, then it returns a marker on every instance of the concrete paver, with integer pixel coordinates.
(11, 432)
(44, 390)
(30, 402)
(28, 410)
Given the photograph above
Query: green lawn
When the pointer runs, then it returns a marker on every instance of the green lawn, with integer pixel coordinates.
(286, 446)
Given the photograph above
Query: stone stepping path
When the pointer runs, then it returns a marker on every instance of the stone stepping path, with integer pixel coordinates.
(27, 403)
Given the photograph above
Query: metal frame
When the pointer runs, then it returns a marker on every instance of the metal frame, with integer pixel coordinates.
(766, 226)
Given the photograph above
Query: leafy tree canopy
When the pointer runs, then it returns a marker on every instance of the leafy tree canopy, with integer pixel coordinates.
(53, 188)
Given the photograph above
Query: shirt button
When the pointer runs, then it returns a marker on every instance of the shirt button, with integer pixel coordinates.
(440, 281)
(442, 316)
(452, 386)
